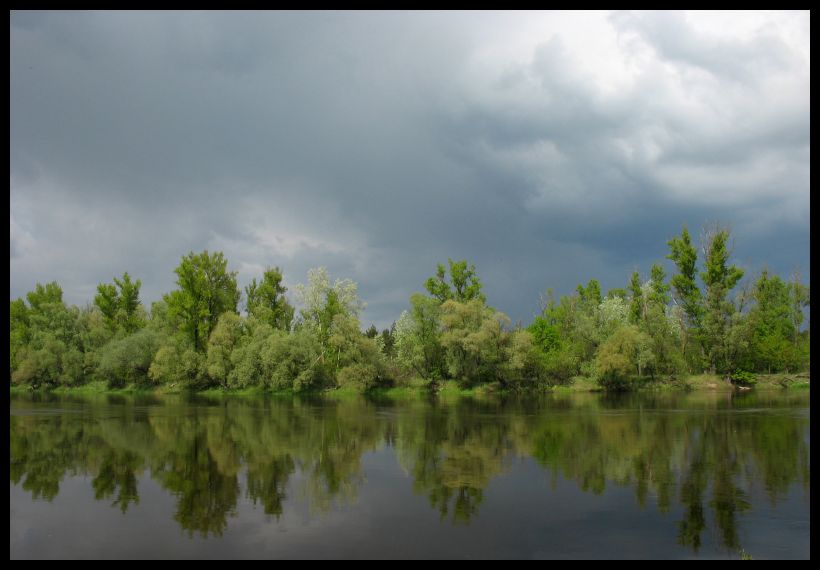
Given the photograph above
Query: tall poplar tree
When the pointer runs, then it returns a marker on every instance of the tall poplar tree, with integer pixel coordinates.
(206, 290)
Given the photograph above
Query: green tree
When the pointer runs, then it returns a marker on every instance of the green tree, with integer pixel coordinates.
(107, 302)
(127, 360)
(558, 361)
(206, 290)
(293, 362)
(719, 279)
(771, 325)
(592, 294)
(474, 340)
(50, 293)
(387, 341)
(226, 336)
(627, 352)
(46, 345)
(637, 307)
(684, 283)
(660, 289)
(418, 338)
(266, 300)
(19, 330)
(120, 305)
(131, 313)
(357, 359)
(464, 284)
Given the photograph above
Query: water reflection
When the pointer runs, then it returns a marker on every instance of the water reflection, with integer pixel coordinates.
(702, 452)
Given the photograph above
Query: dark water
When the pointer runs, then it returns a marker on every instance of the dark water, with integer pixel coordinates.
(581, 476)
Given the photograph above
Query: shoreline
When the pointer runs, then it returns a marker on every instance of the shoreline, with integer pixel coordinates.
(693, 383)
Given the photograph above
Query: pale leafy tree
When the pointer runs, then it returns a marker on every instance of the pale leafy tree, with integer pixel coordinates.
(614, 312)
(800, 299)
(405, 343)
(321, 302)
(314, 296)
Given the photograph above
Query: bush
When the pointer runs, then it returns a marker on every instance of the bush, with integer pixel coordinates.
(128, 360)
(55, 364)
(743, 378)
(177, 363)
(614, 382)
(360, 376)
(292, 361)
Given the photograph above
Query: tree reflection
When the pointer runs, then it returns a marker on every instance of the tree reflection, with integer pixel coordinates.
(668, 449)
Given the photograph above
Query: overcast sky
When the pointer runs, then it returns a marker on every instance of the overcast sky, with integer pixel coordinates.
(545, 148)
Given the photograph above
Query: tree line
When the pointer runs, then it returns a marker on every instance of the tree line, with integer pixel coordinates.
(704, 318)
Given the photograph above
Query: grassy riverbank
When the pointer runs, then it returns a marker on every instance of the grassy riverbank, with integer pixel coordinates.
(414, 388)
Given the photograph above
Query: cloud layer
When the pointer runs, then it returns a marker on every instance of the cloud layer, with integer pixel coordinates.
(546, 148)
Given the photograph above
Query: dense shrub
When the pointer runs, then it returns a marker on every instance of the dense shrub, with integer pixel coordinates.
(129, 359)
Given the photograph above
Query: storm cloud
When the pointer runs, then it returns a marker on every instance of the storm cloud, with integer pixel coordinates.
(545, 148)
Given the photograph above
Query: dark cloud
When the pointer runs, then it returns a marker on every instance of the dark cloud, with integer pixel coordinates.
(380, 144)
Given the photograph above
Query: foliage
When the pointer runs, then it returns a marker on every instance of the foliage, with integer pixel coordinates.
(357, 359)
(684, 283)
(266, 301)
(743, 378)
(177, 363)
(225, 337)
(292, 362)
(322, 301)
(418, 338)
(623, 354)
(194, 337)
(558, 360)
(474, 341)
(206, 290)
(120, 305)
(464, 285)
(52, 363)
(127, 360)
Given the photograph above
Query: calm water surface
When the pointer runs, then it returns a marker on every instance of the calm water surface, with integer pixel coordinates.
(571, 476)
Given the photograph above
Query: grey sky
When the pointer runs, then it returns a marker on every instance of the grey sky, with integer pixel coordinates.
(545, 148)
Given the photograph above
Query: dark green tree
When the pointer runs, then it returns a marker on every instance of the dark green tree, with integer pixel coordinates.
(686, 292)
(637, 309)
(719, 279)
